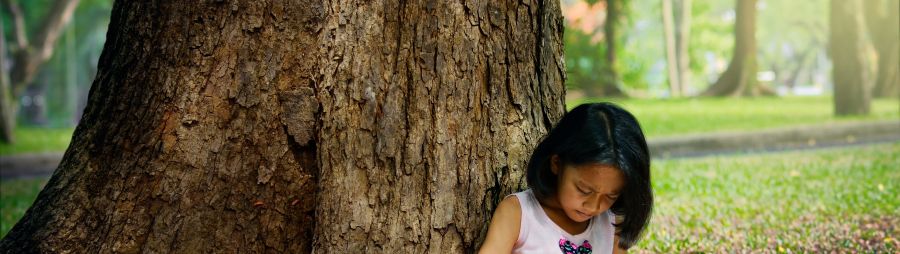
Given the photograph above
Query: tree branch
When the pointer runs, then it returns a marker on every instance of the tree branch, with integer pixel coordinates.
(27, 61)
(18, 23)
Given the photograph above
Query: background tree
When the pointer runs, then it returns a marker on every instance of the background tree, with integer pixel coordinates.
(682, 17)
(882, 20)
(253, 126)
(65, 79)
(850, 74)
(676, 22)
(28, 54)
(793, 47)
(591, 56)
(610, 80)
(739, 78)
(671, 58)
(6, 108)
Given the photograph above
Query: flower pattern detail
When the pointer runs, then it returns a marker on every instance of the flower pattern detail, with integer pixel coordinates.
(568, 247)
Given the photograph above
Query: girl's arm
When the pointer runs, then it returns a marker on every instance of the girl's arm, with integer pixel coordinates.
(504, 229)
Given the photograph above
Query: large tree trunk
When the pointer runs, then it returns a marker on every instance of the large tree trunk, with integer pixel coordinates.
(425, 139)
(261, 126)
(850, 76)
(739, 79)
(882, 18)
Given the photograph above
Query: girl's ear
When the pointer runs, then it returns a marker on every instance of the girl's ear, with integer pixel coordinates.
(554, 164)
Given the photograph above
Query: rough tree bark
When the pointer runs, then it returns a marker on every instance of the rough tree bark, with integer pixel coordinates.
(460, 91)
(849, 72)
(739, 79)
(324, 126)
(28, 56)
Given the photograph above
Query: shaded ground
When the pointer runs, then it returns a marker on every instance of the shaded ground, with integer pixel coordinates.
(28, 165)
(776, 139)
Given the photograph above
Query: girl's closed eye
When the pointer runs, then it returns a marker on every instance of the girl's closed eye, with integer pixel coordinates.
(583, 191)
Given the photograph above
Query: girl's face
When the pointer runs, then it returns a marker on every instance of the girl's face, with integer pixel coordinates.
(586, 190)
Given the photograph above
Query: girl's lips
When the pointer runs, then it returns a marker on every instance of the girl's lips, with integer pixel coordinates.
(583, 214)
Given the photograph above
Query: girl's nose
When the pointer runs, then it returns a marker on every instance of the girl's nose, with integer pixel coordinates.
(596, 205)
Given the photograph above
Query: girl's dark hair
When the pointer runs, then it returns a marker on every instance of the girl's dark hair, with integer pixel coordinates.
(606, 134)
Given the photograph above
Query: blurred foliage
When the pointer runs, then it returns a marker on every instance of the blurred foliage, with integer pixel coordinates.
(711, 41)
(584, 59)
(641, 52)
(791, 38)
(62, 84)
(586, 55)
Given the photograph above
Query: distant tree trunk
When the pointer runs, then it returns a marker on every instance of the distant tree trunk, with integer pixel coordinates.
(682, 38)
(29, 55)
(672, 62)
(610, 80)
(262, 126)
(882, 19)
(851, 81)
(739, 79)
(887, 84)
(7, 106)
(792, 75)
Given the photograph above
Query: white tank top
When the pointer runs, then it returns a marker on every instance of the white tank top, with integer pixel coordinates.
(539, 234)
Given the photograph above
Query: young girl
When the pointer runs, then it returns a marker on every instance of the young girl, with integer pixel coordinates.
(591, 168)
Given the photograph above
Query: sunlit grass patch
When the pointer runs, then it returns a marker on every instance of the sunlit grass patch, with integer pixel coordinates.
(35, 140)
(807, 201)
(700, 115)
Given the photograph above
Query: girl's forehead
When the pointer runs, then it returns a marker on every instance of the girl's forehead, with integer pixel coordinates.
(603, 176)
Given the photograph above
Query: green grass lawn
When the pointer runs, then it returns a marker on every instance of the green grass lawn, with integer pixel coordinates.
(36, 139)
(804, 201)
(660, 117)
